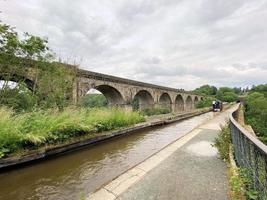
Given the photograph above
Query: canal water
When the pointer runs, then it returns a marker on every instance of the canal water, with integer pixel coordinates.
(75, 174)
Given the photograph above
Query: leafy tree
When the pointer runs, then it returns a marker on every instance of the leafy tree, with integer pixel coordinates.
(20, 56)
(261, 89)
(206, 90)
(256, 113)
(206, 102)
(237, 90)
(226, 94)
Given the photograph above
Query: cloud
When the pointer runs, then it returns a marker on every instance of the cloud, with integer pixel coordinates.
(181, 44)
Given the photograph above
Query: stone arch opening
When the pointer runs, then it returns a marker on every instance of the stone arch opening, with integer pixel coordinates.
(179, 103)
(196, 100)
(165, 101)
(111, 95)
(142, 99)
(15, 79)
(94, 98)
(189, 103)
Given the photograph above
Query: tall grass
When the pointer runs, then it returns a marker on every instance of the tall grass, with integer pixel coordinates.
(37, 128)
(155, 111)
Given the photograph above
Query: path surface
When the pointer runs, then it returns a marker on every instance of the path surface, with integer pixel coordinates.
(188, 169)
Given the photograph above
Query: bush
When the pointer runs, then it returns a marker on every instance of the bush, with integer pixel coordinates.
(206, 102)
(155, 111)
(227, 94)
(34, 129)
(256, 114)
(94, 100)
(223, 142)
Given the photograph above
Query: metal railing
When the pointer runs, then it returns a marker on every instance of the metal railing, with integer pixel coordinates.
(251, 156)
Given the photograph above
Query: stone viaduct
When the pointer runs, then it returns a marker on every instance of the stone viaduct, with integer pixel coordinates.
(121, 92)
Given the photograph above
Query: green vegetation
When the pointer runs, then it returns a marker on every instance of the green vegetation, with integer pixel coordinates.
(38, 128)
(240, 180)
(36, 98)
(27, 61)
(237, 188)
(94, 100)
(256, 111)
(223, 142)
(206, 90)
(206, 102)
(226, 94)
(155, 111)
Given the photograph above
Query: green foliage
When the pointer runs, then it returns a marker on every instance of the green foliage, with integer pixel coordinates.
(247, 179)
(51, 83)
(226, 94)
(260, 88)
(206, 90)
(238, 90)
(256, 112)
(135, 104)
(37, 128)
(206, 102)
(94, 100)
(236, 187)
(30, 46)
(19, 98)
(223, 141)
(155, 111)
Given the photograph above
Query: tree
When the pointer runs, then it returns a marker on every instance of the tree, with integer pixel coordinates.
(226, 94)
(256, 111)
(206, 90)
(19, 56)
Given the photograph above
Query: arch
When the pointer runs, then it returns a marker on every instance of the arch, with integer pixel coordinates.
(16, 78)
(113, 96)
(144, 99)
(189, 103)
(195, 100)
(201, 98)
(179, 103)
(165, 100)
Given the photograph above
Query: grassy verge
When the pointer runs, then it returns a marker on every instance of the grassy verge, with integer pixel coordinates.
(39, 128)
(238, 178)
(155, 111)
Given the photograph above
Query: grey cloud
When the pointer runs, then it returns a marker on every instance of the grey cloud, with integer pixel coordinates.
(168, 42)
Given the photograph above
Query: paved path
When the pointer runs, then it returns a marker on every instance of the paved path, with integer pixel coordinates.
(188, 169)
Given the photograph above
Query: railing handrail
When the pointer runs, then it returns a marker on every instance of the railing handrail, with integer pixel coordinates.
(252, 138)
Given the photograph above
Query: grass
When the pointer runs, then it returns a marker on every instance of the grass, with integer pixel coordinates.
(155, 111)
(38, 128)
(239, 179)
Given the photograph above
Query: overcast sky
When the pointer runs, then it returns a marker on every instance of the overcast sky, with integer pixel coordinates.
(175, 43)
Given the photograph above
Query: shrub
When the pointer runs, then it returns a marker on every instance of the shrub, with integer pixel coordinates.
(94, 100)
(206, 102)
(256, 114)
(155, 111)
(223, 142)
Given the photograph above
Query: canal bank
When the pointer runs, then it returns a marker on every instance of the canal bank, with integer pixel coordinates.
(89, 139)
(77, 173)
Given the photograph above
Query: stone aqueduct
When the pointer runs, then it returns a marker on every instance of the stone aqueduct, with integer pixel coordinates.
(121, 92)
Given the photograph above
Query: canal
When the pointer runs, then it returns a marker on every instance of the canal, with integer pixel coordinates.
(75, 174)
